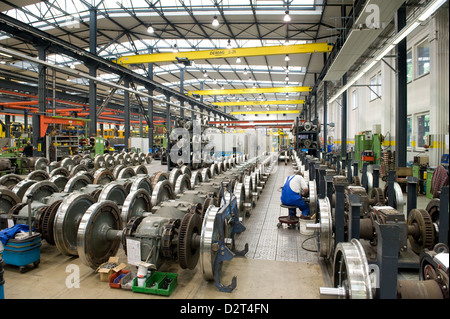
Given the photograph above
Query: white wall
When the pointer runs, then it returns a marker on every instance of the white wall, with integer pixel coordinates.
(421, 95)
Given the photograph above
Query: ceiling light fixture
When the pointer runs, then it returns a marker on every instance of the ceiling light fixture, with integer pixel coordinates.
(205, 74)
(287, 58)
(245, 71)
(215, 22)
(286, 42)
(150, 29)
(229, 45)
(175, 48)
(238, 60)
(287, 17)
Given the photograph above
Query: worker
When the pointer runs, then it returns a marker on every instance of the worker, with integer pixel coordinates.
(28, 150)
(52, 152)
(106, 146)
(292, 193)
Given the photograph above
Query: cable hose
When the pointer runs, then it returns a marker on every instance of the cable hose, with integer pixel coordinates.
(313, 251)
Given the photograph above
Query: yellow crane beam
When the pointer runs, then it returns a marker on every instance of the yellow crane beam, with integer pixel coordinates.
(266, 112)
(256, 103)
(226, 53)
(285, 89)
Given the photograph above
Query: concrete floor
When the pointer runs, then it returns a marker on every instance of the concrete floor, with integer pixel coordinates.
(281, 263)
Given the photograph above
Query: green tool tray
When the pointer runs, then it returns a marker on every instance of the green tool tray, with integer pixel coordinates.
(154, 284)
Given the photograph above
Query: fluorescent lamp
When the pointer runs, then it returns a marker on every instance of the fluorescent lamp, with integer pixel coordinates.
(385, 51)
(215, 22)
(367, 68)
(357, 77)
(404, 33)
(431, 9)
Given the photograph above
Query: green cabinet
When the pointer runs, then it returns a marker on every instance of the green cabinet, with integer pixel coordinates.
(367, 142)
(430, 172)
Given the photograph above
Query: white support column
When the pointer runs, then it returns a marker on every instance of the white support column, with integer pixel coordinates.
(439, 96)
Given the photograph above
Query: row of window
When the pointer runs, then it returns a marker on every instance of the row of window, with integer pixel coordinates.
(422, 66)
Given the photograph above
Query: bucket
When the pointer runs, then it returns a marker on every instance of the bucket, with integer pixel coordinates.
(2, 282)
(303, 223)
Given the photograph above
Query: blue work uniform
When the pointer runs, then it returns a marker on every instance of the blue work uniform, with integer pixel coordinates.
(291, 198)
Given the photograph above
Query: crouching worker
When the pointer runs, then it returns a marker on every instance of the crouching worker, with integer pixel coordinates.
(292, 193)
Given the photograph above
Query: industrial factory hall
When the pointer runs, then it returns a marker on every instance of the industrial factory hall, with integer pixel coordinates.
(223, 158)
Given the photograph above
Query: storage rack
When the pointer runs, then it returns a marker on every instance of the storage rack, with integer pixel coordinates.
(65, 145)
(311, 135)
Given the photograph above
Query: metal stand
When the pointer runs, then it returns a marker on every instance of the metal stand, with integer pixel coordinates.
(443, 216)
(364, 179)
(391, 192)
(224, 253)
(312, 171)
(339, 213)
(376, 176)
(329, 187)
(321, 186)
(349, 172)
(355, 168)
(411, 201)
(354, 216)
(387, 259)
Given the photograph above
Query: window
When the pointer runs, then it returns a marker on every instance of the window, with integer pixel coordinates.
(375, 87)
(379, 85)
(409, 132)
(354, 99)
(423, 58)
(409, 66)
(423, 129)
